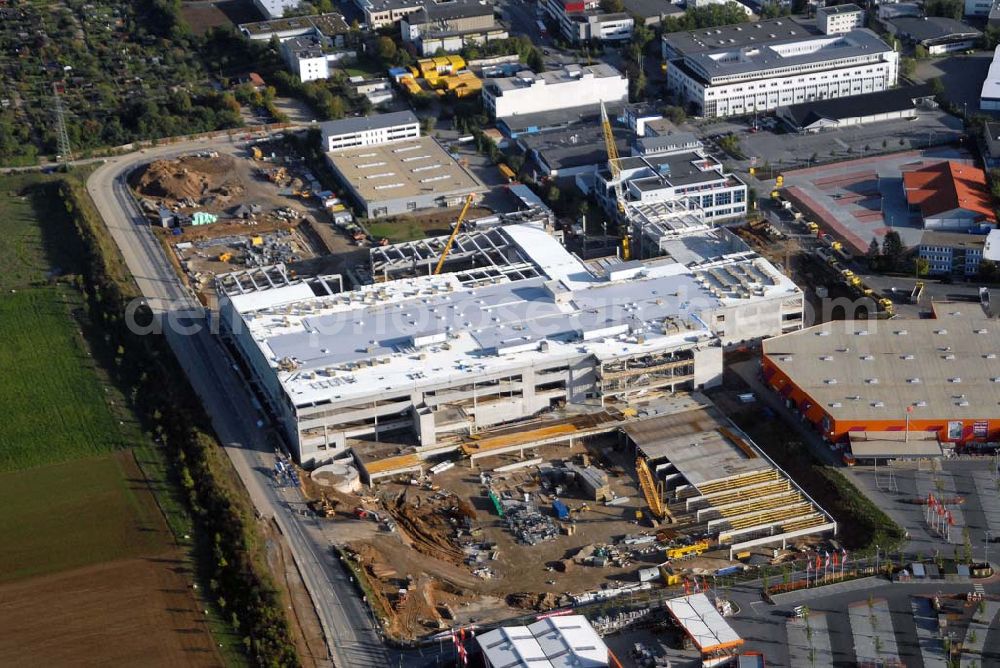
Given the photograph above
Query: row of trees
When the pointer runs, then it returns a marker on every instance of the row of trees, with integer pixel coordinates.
(706, 17)
(230, 549)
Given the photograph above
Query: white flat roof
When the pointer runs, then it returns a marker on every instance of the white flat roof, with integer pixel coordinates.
(706, 627)
(275, 9)
(991, 251)
(556, 642)
(991, 86)
(433, 330)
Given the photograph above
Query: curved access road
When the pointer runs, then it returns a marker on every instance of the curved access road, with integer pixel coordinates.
(351, 636)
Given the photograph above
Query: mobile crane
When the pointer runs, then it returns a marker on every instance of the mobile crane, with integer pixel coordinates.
(454, 234)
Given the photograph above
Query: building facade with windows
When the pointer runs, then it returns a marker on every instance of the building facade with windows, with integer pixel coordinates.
(757, 67)
(310, 59)
(369, 130)
(584, 20)
(690, 175)
(952, 253)
(450, 26)
(572, 86)
(839, 19)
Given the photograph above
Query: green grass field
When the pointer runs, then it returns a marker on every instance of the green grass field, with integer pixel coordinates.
(53, 403)
(397, 232)
(55, 406)
(80, 512)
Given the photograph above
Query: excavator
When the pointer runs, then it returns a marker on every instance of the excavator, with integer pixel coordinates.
(454, 234)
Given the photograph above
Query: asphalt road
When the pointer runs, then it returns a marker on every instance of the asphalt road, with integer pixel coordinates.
(352, 638)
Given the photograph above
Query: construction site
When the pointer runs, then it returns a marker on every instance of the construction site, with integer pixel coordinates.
(535, 519)
(258, 206)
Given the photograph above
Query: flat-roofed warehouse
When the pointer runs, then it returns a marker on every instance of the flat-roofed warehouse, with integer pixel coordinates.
(938, 376)
(712, 475)
(402, 177)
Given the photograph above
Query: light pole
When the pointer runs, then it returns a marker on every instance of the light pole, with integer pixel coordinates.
(876, 559)
(986, 550)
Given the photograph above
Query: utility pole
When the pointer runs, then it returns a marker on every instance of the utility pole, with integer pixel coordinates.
(65, 150)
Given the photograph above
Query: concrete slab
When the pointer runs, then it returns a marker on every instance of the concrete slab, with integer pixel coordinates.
(975, 636)
(809, 641)
(805, 595)
(931, 649)
(989, 498)
(871, 622)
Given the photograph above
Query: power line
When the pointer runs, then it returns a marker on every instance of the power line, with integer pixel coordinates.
(63, 146)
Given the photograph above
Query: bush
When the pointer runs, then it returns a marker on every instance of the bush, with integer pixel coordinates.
(224, 518)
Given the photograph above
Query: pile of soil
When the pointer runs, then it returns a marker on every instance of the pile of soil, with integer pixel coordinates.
(188, 177)
(526, 600)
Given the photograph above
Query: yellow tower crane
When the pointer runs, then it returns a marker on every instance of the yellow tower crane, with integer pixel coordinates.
(614, 165)
(454, 233)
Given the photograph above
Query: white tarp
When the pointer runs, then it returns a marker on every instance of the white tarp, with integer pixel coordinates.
(703, 623)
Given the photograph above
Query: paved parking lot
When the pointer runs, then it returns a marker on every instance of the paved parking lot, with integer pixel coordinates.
(930, 127)
(862, 199)
(961, 75)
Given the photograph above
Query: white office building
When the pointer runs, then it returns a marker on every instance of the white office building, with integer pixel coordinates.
(754, 67)
(840, 19)
(310, 59)
(584, 20)
(685, 174)
(369, 131)
(572, 86)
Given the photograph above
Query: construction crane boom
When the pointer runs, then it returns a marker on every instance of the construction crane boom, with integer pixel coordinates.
(614, 165)
(454, 234)
(649, 490)
(614, 162)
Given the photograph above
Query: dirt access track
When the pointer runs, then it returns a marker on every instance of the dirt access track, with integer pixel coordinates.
(123, 613)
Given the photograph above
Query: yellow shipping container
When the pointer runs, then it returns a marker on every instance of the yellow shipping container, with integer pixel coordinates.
(442, 61)
(457, 62)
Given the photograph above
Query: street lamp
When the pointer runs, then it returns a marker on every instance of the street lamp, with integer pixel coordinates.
(986, 551)
(876, 558)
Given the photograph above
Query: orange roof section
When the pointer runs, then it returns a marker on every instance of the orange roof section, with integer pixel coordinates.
(948, 185)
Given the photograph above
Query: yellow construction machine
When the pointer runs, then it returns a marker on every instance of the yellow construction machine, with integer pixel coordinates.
(454, 233)
(694, 549)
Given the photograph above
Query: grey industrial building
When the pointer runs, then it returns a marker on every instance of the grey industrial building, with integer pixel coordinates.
(402, 177)
(937, 34)
(894, 104)
(450, 26)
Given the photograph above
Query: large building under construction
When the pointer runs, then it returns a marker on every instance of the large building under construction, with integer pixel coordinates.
(515, 326)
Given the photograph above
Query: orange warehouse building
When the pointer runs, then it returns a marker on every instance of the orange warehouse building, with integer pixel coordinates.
(939, 376)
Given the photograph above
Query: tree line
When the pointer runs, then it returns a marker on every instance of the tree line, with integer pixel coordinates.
(229, 545)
